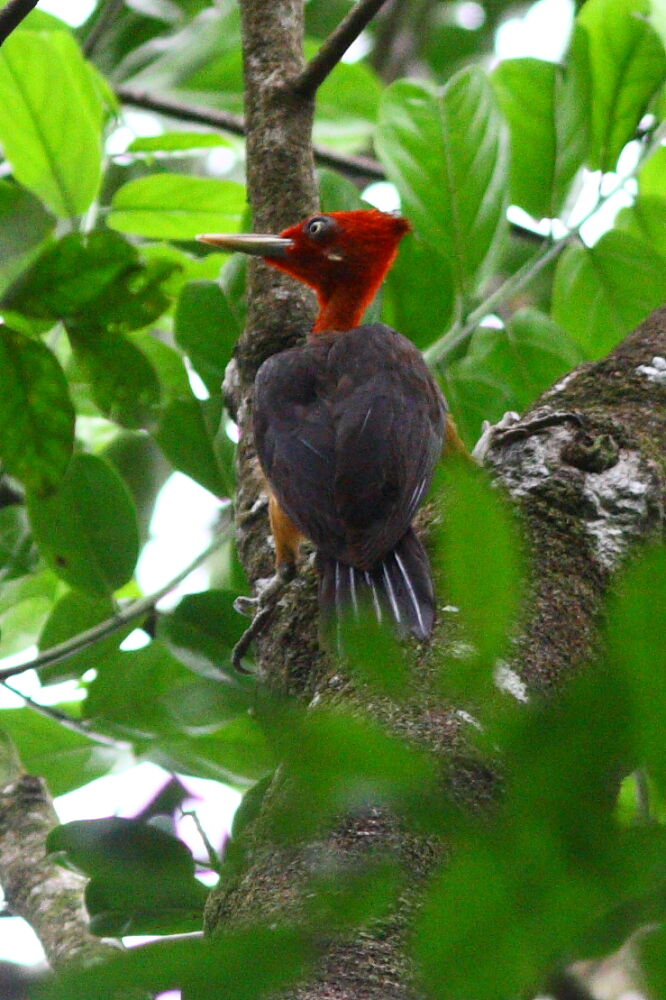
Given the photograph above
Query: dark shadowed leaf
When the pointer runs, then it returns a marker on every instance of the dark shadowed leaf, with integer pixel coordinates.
(36, 414)
(87, 529)
(202, 631)
(24, 225)
(141, 878)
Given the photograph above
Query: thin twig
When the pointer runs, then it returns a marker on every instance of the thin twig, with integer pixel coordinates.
(135, 610)
(68, 721)
(356, 166)
(12, 14)
(335, 46)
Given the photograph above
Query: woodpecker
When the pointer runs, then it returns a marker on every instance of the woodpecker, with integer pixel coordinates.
(350, 426)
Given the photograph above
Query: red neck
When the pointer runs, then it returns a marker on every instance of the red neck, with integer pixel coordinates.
(342, 306)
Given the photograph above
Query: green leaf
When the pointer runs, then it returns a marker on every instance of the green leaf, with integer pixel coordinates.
(337, 193)
(176, 142)
(477, 521)
(636, 623)
(175, 207)
(95, 281)
(25, 602)
(17, 552)
(206, 329)
(507, 369)
(141, 878)
(547, 112)
(75, 613)
(65, 759)
(592, 299)
(202, 631)
(419, 294)
(36, 413)
(645, 221)
(627, 66)
(87, 530)
(122, 380)
(346, 109)
(240, 965)
(51, 119)
(24, 225)
(188, 442)
(448, 157)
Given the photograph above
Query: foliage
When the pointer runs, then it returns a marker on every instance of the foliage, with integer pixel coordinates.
(112, 313)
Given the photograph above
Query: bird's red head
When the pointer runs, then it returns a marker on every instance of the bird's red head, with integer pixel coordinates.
(344, 256)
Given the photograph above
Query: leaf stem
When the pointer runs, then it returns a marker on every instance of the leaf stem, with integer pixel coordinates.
(68, 721)
(127, 614)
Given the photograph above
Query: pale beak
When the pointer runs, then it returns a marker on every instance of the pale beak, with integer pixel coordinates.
(259, 245)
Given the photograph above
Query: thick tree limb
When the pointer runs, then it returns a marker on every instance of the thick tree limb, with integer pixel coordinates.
(49, 897)
(12, 14)
(335, 46)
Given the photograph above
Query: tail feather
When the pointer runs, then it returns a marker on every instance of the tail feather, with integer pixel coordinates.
(399, 587)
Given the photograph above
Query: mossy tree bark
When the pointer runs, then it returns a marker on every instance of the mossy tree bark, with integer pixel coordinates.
(586, 467)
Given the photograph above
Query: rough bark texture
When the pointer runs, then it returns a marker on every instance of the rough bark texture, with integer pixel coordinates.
(282, 189)
(49, 897)
(589, 487)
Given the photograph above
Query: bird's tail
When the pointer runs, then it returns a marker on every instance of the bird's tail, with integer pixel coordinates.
(399, 587)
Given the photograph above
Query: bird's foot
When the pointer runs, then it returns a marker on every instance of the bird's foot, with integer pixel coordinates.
(261, 608)
(491, 433)
(512, 428)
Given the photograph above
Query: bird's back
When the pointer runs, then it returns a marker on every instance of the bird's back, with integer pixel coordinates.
(348, 429)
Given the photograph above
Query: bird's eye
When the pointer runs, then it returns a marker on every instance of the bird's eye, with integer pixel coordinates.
(319, 226)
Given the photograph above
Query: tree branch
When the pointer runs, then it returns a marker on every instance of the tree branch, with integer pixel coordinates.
(79, 726)
(128, 614)
(12, 14)
(49, 897)
(335, 46)
(354, 166)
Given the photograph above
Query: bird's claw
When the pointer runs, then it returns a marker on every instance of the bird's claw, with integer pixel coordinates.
(491, 432)
(261, 607)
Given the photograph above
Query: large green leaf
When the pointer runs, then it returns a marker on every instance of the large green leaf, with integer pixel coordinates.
(122, 381)
(419, 294)
(36, 414)
(17, 552)
(177, 207)
(547, 112)
(94, 281)
(87, 530)
(24, 225)
(188, 441)
(592, 298)
(141, 878)
(51, 119)
(646, 218)
(247, 964)
(448, 157)
(65, 759)
(75, 613)
(507, 369)
(207, 330)
(25, 603)
(346, 109)
(627, 66)
(202, 631)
